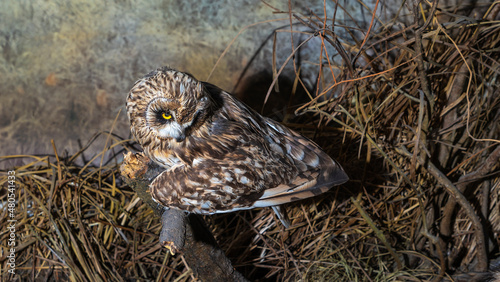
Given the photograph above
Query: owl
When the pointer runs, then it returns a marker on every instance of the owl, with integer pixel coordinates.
(218, 154)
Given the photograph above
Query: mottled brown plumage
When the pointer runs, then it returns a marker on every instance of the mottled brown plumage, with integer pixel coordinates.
(219, 155)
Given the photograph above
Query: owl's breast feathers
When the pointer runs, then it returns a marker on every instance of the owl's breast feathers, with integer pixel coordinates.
(238, 160)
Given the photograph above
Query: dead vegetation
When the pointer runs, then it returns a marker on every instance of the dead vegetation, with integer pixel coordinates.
(412, 113)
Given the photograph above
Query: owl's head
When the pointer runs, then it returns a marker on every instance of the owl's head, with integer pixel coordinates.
(168, 105)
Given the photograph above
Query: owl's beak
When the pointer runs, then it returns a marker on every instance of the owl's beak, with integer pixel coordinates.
(180, 134)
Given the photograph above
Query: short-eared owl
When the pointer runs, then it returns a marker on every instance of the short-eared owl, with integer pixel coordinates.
(219, 155)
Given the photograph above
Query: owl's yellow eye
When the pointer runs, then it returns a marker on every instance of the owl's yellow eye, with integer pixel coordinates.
(166, 116)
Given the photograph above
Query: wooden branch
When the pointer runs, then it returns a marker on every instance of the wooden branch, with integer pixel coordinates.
(181, 232)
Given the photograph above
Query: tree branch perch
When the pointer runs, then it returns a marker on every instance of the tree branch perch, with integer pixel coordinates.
(181, 232)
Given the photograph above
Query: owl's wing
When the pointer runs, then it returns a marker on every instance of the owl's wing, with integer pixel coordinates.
(255, 171)
(218, 185)
(231, 171)
(317, 172)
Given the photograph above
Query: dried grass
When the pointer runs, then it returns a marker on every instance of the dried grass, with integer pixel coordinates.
(415, 126)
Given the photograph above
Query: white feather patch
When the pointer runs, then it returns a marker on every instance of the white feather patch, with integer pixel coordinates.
(170, 130)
